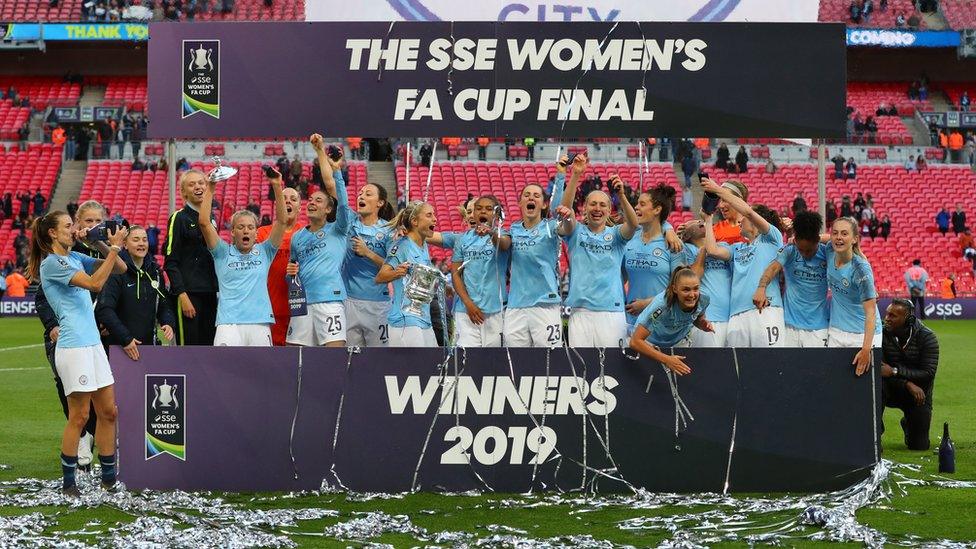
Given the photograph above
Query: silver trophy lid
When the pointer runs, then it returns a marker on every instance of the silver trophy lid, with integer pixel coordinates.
(221, 173)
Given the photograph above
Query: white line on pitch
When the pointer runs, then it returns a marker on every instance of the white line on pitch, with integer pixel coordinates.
(19, 369)
(35, 345)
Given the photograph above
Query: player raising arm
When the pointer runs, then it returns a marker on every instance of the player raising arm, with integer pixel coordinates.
(244, 315)
(760, 226)
(596, 292)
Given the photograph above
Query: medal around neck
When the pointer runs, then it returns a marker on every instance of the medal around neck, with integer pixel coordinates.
(220, 172)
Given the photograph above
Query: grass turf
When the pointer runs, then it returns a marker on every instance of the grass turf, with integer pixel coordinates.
(31, 423)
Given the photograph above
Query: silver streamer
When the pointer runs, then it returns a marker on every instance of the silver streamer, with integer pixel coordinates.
(450, 67)
(389, 32)
(294, 418)
(430, 170)
(457, 414)
(735, 423)
(335, 434)
(161, 519)
(372, 525)
(585, 71)
(442, 367)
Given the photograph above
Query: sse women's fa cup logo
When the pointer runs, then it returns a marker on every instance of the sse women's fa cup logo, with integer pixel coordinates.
(201, 77)
(166, 415)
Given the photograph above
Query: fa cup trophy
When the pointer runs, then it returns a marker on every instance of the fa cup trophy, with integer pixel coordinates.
(220, 173)
(421, 287)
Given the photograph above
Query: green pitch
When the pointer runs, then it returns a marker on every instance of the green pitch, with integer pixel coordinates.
(31, 423)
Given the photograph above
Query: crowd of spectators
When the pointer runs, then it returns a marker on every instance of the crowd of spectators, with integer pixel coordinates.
(155, 10)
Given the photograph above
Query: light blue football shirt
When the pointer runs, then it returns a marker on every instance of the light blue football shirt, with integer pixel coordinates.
(359, 272)
(805, 305)
(535, 257)
(716, 282)
(669, 325)
(71, 304)
(320, 254)
(594, 268)
(749, 260)
(406, 251)
(484, 273)
(850, 286)
(648, 267)
(243, 283)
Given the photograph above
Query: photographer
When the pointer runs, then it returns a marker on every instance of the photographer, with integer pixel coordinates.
(911, 357)
(132, 302)
(80, 359)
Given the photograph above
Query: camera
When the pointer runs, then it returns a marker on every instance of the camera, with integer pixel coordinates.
(570, 159)
(335, 153)
(270, 172)
(710, 200)
(101, 231)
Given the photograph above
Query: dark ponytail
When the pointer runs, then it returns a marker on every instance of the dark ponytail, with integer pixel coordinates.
(41, 242)
(662, 195)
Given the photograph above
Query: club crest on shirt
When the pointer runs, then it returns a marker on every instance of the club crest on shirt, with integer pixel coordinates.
(608, 237)
(535, 232)
(320, 234)
(658, 252)
(845, 282)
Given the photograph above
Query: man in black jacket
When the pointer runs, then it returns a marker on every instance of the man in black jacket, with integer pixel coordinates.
(911, 357)
(190, 267)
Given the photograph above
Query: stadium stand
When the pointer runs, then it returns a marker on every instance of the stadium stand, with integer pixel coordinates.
(960, 14)
(143, 197)
(71, 10)
(33, 10)
(255, 10)
(913, 228)
(43, 91)
(12, 119)
(127, 91)
(866, 96)
(20, 171)
(839, 10)
(954, 90)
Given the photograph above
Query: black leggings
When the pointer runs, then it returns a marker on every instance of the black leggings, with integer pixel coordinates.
(49, 347)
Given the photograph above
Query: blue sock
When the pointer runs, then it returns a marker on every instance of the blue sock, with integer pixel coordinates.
(68, 466)
(108, 468)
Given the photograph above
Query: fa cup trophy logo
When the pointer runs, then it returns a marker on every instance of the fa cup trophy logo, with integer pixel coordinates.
(165, 395)
(202, 58)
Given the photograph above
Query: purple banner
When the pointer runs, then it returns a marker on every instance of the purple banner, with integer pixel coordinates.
(17, 306)
(937, 308)
(392, 420)
(599, 79)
